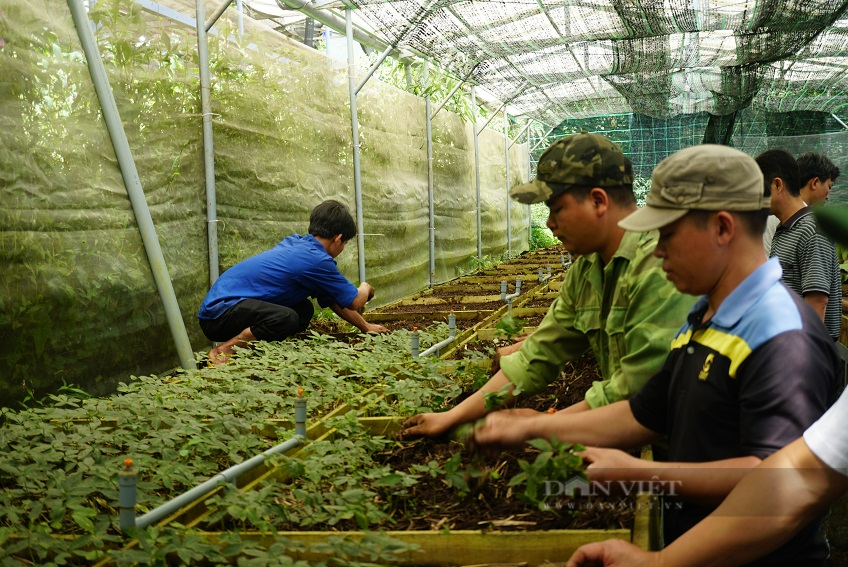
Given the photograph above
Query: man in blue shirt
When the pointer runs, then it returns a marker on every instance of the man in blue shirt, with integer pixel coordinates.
(266, 297)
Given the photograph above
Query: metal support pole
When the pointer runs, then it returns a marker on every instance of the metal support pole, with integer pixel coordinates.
(529, 207)
(526, 126)
(492, 117)
(835, 117)
(542, 139)
(389, 49)
(208, 146)
(430, 205)
(508, 200)
(453, 92)
(216, 14)
(354, 124)
(240, 18)
(133, 185)
(375, 66)
(477, 174)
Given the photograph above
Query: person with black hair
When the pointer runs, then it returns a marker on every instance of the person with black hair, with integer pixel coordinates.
(266, 297)
(817, 176)
(808, 259)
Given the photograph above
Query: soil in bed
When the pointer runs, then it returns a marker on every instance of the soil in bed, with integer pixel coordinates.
(433, 505)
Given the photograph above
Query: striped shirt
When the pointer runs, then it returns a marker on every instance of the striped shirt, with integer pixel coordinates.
(810, 264)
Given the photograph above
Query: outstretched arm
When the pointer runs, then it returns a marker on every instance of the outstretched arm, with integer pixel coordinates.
(471, 408)
(608, 426)
(355, 319)
(702, 483)
(766, 508)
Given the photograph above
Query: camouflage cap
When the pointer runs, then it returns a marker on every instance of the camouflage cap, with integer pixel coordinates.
(580, 160)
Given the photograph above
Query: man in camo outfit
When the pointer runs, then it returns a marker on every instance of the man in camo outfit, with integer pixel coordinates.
(615, 300)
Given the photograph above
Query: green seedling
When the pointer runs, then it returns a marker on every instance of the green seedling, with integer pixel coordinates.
(509, 326)
(556, 461)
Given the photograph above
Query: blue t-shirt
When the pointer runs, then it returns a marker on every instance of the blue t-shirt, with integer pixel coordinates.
(296, 268)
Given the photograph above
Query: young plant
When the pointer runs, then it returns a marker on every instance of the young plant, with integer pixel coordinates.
(498, 400)
(557, 461)
(509, 326)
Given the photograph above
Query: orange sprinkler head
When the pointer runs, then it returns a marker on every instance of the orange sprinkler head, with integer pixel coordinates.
(128, 463)
(300, 391)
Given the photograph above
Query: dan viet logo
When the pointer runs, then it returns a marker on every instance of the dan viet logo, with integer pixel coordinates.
(577, 487)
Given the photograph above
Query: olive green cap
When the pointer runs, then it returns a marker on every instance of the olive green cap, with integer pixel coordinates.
(707, 177)
(580, 160)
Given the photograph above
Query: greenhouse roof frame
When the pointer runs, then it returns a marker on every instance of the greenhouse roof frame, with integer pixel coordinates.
(586, 58)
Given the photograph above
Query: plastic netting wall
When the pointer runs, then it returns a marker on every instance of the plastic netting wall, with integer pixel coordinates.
(78, 302)
(647, 140)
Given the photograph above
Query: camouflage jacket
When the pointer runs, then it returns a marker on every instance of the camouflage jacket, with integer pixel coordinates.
(630, 334)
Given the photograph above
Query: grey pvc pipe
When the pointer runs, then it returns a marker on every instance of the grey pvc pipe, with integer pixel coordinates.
(414, 342)
(208, 146)
(430, 204)
(227, 476)
(133, 185)
(508, 200)
(477, 173)
(354, 124)
(440, 345)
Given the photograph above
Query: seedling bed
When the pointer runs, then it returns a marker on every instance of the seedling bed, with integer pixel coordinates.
(396, 321)
(444, 306)
(458, 513)
(431, 504)
(540, 302)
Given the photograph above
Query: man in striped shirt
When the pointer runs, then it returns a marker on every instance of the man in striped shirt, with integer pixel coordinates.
(808, 258)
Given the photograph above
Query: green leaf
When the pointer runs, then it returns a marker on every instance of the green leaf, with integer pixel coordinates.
(82, 518)
(389, 480)
(541, 444)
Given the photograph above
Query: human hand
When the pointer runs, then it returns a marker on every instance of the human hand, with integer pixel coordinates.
(503, 351)
(427, 424)
(509, 349)
(610, 464)
(612, 553)
(372, 328)
(370, 288)
(505, 429)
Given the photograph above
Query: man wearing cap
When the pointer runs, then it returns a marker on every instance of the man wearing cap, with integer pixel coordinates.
(615, 300)
(748, 372)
